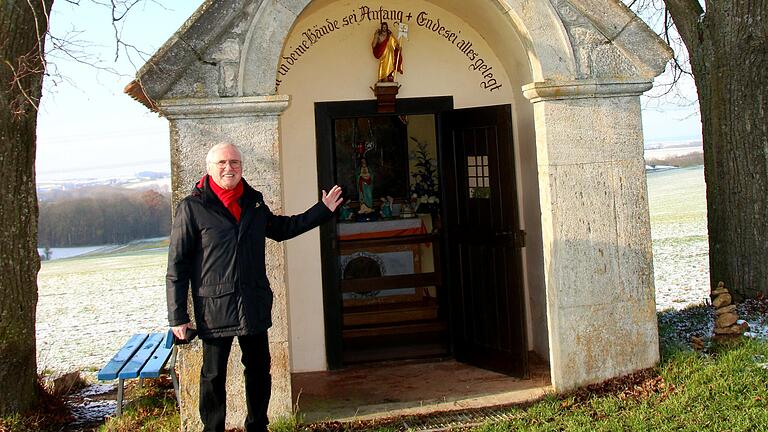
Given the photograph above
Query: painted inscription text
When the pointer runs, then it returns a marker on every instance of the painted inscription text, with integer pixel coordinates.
(313, 35)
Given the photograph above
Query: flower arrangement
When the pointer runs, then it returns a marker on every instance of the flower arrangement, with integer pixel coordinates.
(424, 188)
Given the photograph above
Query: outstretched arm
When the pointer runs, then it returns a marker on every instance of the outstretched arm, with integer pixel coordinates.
(281, 228)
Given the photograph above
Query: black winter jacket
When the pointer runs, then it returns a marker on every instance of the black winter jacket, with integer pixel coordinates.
(223, 260)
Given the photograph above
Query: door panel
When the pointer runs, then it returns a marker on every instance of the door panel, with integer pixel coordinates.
(487, 309)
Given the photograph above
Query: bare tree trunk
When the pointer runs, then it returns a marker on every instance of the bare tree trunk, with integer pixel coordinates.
(22, 27)
(729, 53)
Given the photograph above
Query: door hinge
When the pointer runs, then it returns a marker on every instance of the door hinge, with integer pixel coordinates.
(520, 238)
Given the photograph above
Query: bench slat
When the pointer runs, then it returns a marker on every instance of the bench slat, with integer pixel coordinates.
(110, 371)
(159, 358)
(134, 365)
(169, 340)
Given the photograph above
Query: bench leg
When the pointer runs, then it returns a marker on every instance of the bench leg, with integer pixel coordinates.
(174, 377)
(120, 397)
(175, 381)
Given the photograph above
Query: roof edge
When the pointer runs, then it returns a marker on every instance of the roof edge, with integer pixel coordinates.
(628, 32)
(135, 90)
(169, 62)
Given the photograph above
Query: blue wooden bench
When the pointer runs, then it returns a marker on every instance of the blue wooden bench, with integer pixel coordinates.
(143, 356)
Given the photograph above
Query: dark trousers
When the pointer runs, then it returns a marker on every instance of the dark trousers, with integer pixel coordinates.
(213, 378)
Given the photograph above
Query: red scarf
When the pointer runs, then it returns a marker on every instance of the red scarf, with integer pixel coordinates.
(228, 197)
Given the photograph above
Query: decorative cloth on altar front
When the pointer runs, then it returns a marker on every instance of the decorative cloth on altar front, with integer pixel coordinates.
(380, 229)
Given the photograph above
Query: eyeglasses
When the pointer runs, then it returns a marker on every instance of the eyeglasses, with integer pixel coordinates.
(233, 163)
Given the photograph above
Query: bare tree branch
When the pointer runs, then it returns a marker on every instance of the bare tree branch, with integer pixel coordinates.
(72, 46)
(657, 15)
(687, 16)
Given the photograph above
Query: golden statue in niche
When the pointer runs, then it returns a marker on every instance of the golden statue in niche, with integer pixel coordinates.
(387, 49)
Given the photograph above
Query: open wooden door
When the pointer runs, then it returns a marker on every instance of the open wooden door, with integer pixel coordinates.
(483, 239)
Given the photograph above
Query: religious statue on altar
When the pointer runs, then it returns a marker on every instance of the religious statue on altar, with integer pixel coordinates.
(386, 207)
(365, 185)
(387, 49)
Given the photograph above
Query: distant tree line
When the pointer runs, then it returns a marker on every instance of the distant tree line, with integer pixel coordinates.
(681, 160)
(103, 216)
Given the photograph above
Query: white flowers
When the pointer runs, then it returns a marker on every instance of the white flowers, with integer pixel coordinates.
(425, 199)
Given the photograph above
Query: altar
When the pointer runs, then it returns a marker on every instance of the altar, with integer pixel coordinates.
(389, 286)
(361, 259)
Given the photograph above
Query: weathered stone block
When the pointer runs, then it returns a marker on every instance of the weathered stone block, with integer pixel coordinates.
(725, 309)
(263, 47)
(280, 403)
(731, 330)
(722, 300)
(584, 248)
(589, 130)
(275, 272)
(295, 6)
(597, 342)
(726, 319)
(633, 229)
(188, 364)
(596, 235)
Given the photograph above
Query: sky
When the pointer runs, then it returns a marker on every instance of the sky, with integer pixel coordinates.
(88, 128)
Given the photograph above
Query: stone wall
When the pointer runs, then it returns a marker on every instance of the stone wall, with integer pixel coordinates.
(597, 243)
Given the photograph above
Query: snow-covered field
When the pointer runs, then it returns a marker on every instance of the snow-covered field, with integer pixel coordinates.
(678, 210)
(89, 306)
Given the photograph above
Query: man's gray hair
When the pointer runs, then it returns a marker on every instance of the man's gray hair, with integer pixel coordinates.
(212, 150)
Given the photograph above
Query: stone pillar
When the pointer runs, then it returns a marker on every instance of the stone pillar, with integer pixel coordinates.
(252, 124)
(596, 230)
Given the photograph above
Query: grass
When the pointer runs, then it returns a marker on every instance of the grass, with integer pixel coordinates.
(152, 408)
(136, 247)
(678, 197)
(286, 424)
(723, 390)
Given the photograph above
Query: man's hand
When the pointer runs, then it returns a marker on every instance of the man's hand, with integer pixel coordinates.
(180, 330)
(332, 199)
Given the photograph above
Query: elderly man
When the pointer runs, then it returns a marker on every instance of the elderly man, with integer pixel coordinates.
(217, 248)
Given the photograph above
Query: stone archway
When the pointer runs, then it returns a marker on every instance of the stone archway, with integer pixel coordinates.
(589, 61)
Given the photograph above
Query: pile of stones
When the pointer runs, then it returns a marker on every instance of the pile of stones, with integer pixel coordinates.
(727, 322)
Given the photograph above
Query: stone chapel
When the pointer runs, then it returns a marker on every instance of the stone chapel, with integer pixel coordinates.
(496, 206)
